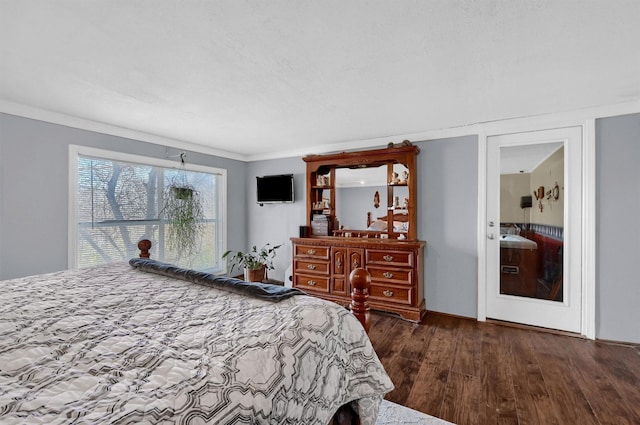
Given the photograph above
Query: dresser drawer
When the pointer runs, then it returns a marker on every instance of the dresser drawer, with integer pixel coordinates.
(310, 266)
(320, 252)
(390, 258)
(310, 282)
(388, 293)
(390, 275)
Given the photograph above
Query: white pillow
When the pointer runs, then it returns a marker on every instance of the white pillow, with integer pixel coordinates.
(379, 225)
(400, 226)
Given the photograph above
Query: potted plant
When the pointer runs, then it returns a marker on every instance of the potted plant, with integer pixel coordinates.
(255, 263)
(183, 209)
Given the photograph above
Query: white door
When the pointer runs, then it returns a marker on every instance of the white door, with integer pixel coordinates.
(534, 253)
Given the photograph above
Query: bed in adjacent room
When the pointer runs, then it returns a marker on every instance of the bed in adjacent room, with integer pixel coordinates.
(115, 344)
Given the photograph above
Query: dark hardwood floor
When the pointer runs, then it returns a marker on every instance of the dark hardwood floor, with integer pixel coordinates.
(469, 372)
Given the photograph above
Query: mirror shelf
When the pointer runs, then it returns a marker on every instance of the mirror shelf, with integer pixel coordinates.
(336, 188)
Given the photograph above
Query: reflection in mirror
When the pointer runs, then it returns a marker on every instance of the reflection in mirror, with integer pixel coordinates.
(356, 190)
(400, 180)
(532, 220)
(400, 175)
(355, 193)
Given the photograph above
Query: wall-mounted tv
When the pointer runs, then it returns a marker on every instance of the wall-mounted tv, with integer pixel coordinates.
(275, 189)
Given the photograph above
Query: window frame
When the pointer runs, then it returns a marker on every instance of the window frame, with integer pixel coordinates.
(76, 150)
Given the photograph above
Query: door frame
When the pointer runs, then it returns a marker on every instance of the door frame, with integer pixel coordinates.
(536, 311)
(588, 257)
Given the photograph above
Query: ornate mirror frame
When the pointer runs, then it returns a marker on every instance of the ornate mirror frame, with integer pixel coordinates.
(321, 191)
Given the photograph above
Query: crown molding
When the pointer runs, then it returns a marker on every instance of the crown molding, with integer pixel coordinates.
(488, 127)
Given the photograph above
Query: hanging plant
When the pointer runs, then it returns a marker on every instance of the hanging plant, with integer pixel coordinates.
(183, 209)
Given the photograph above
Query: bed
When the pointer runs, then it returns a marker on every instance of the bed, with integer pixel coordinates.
(378, 228)
(122, 344)
(400, 222)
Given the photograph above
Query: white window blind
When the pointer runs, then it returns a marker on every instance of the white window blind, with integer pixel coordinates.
(120, 202)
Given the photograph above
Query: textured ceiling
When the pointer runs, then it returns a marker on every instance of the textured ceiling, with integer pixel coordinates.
(263, 78)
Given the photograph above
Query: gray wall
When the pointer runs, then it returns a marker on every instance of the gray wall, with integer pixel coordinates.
(34, 191)
(353, 203)
(447, 221)
(618, 228)
(276, 223)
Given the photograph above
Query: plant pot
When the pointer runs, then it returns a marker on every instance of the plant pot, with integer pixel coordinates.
(184, 193)
(256, 275)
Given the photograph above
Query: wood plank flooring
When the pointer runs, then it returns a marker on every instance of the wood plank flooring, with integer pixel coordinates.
(474, 373)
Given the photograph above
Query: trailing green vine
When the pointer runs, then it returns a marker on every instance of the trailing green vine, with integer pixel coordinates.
(184, 212)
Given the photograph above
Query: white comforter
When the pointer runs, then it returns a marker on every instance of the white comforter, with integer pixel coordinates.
(116, 345)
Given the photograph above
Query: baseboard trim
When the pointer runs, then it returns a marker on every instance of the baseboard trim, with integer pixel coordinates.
(621, 343)
(519, 326)
(457, 316)
(534, 328)
(562, 333)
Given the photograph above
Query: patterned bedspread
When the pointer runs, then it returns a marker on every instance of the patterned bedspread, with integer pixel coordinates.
(115, 345)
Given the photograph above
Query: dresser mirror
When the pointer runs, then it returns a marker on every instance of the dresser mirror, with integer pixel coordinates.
(367, 194)
(356, 189)
(361, 196)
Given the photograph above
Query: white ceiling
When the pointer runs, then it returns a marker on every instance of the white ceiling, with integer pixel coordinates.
(525, 158)
(254, 79)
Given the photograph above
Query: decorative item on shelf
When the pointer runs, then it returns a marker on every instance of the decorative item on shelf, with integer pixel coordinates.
(395, 179)
(320, 225)
(376, 199)
(405, 203)
(183, 209)
(322, 180)
(255, 263)
(396, 202)
(405, 177)
(401, 144)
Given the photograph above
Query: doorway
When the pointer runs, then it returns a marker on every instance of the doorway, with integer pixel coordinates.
(534, 222)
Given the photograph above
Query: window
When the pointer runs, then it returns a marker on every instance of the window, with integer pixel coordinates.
(116, 200)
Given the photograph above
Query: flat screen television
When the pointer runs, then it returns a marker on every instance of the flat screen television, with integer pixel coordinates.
(275, 189)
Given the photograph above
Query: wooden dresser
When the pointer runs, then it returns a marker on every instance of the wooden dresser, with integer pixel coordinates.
(388, 250)
(321, 267)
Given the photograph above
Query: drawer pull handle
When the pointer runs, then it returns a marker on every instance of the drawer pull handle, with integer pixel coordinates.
(311, 266)
(387, 275)
(311, 283)
(387, 293)
(356, 264)
(388, 258)
(311, 252)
